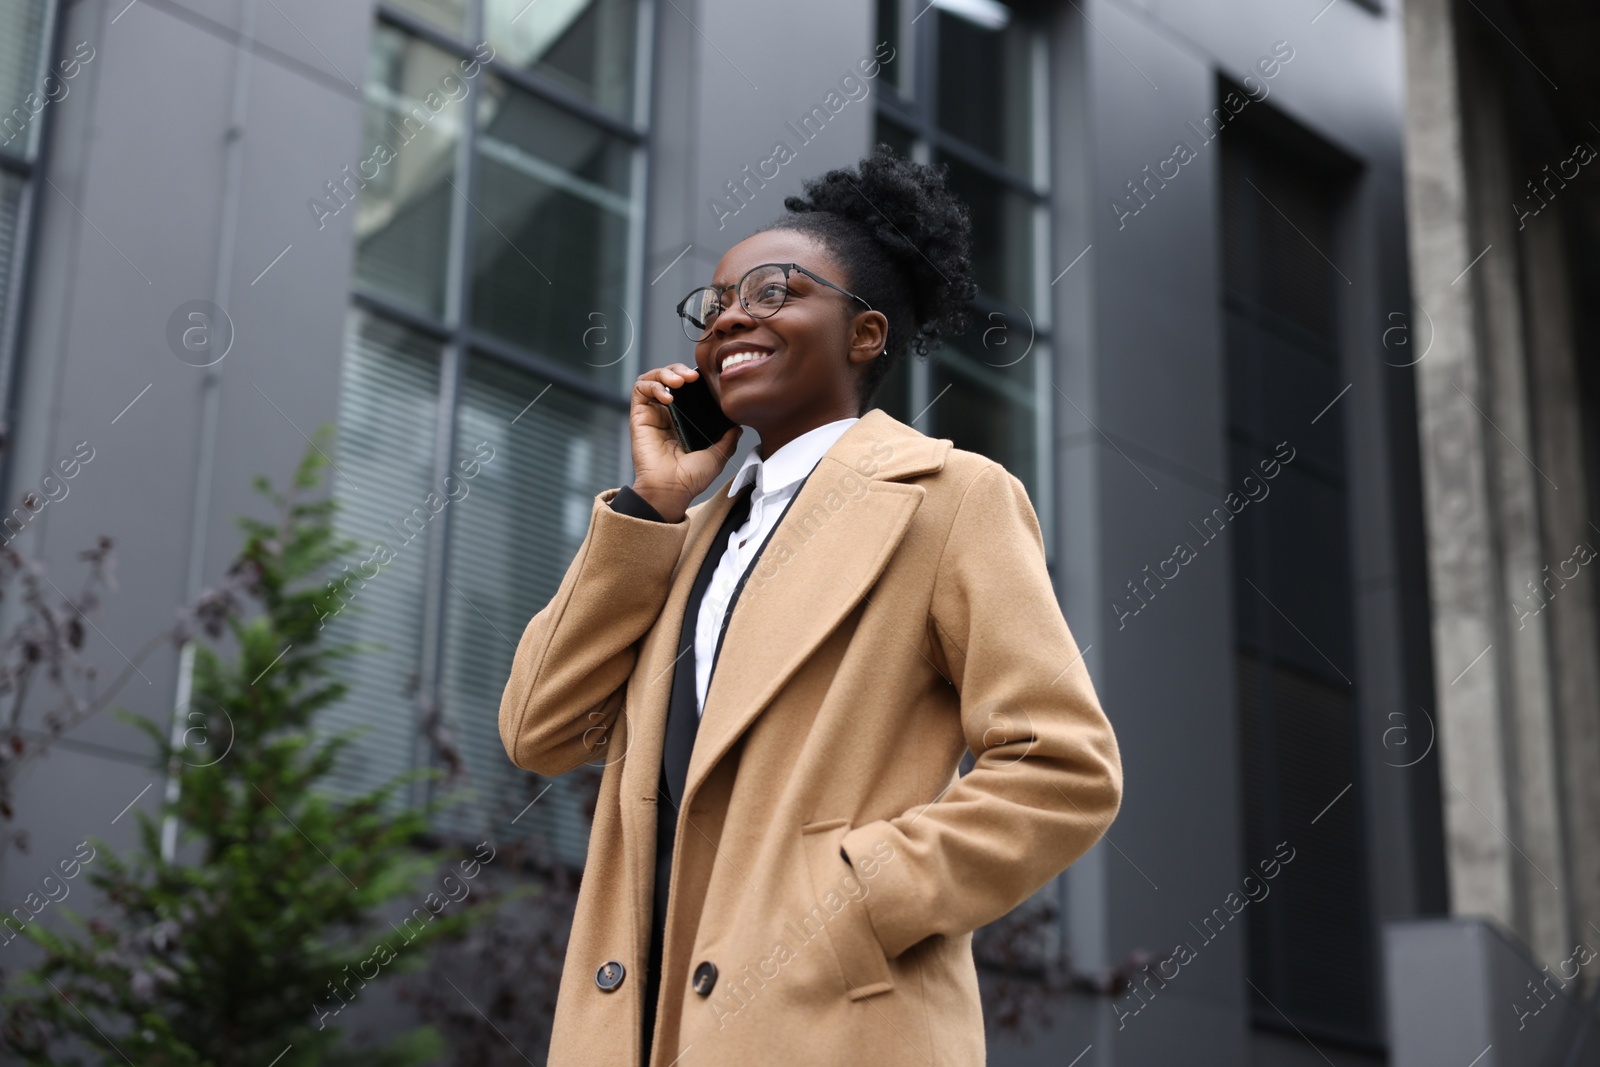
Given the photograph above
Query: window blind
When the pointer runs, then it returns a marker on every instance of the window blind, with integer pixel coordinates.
(512, 538)
(388, 406)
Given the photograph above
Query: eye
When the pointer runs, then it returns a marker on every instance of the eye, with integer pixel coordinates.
(706, 308)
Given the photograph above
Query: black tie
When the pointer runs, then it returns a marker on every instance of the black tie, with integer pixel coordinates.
(683, 718)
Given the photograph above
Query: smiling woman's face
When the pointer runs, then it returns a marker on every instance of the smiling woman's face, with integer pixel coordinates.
(812, 353)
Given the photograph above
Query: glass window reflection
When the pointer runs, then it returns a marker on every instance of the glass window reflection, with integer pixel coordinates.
(448, 15)
(1002, 231)
(985, 88)
(550, 232)
(983, 413)
(587, 46)
(409, 148)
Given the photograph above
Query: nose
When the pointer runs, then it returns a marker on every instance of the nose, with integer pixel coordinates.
(732, 313)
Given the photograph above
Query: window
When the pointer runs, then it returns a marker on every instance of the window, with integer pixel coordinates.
(26, 27)
(1311, 952)
(483, 400)
(966, 88)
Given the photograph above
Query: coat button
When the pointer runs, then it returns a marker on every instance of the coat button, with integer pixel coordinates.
(705, 976)
(609, 976)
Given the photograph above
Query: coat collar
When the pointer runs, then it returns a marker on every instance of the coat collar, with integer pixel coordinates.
(841, 530)
(887, 448)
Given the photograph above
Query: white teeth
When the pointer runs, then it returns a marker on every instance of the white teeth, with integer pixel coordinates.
(744, 356)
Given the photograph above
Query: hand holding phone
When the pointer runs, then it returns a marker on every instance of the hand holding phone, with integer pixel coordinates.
(697, 416)
(677, 451)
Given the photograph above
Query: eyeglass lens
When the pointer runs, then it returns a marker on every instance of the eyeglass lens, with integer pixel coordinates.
(762, 292)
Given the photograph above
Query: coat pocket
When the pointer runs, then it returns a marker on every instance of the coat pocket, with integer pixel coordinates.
(839, 907)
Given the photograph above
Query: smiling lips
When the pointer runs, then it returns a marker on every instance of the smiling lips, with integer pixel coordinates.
(738, 356)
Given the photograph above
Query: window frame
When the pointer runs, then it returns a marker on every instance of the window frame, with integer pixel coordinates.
(459, 340)
(14, 303)
(917, 116)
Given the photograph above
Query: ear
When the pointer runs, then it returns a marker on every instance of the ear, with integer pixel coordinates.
(868, 335)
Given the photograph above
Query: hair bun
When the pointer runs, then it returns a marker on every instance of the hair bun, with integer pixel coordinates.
(920, 224)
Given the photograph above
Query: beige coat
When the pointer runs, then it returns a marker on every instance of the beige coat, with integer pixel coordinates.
(900, 615)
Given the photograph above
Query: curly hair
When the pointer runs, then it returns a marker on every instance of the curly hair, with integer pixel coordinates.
(904, 239)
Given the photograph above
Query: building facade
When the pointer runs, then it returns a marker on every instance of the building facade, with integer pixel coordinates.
(457, 230)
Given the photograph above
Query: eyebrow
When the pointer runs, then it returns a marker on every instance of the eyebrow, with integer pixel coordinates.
(789, 281)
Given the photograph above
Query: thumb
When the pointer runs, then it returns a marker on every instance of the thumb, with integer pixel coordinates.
(722, 449)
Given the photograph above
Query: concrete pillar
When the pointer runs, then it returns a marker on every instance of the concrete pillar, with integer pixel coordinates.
(1468, 678)
(1501, 775)
(1573, 628)
(1516, 480)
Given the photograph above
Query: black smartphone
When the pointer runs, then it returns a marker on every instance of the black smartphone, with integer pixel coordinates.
(697, 416)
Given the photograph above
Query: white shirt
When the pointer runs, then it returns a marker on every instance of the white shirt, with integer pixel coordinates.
(776, 481)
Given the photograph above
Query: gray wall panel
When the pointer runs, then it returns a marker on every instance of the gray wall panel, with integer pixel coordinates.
(141, 152)
(1169, 672)
(299, 134)
(1344, 80)
(104, 321)
(1157, 276)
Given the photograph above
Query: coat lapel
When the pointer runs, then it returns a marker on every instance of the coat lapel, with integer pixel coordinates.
(645, 716)
(840, 532)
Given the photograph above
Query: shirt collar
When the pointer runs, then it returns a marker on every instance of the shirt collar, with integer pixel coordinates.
(791, 462)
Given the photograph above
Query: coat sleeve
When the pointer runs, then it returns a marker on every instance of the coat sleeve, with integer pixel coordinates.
(575, 656)
(1047, 779)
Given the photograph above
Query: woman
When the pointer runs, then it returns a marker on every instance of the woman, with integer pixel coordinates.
(785, 865)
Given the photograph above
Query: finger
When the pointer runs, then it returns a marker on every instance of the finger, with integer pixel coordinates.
(648, 393)
(679, 373)
(727, 442)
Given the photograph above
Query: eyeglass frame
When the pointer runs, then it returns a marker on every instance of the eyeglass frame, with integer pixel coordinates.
(738, 287)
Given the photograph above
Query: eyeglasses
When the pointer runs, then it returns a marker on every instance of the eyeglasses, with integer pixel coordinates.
(762, 293)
